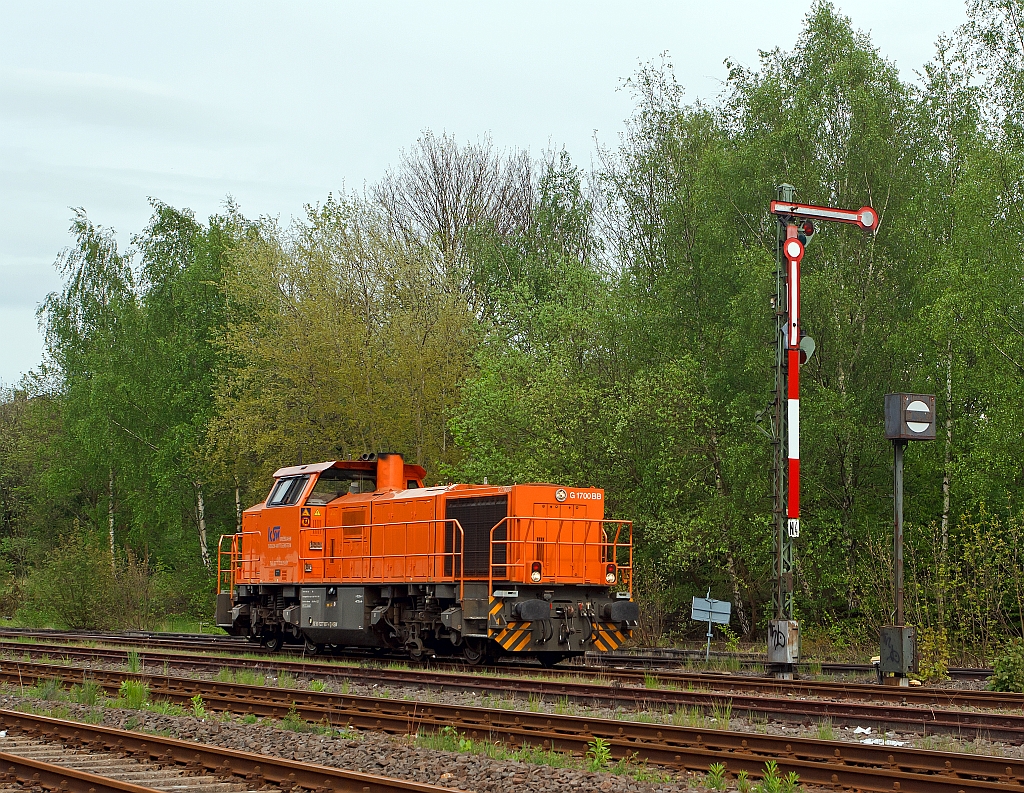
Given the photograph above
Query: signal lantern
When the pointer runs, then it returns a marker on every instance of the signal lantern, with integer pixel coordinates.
(609, 574)
(535, 572)
(806, 232)
(793, 249)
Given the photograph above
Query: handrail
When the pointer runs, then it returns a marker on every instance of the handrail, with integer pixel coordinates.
(366, 538)
(236, 561)
(623, 573)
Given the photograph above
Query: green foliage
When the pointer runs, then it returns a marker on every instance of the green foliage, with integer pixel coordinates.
(716, 776)
(88, 693)
(493, 317)
(133, 662)
(198, 707)
(933, 647)
(599, 753)
(134, 694)
(1008, 669)
(772, 782)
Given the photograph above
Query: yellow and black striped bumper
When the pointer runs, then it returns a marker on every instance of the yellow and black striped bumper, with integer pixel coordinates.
(607, 637)
(515, 637)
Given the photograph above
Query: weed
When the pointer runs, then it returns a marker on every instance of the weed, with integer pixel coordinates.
(716, 776)
(317, 685)
(165, 708)
(134, 693)
(133, 723)
(249, 718)
(88, 693)
(742, 782)
(599, 752)
(772, 782)
(48, 689)
(651, 681)
(346, 686)
(134, 662)
(198, 708)
(286, 680)
(825, 731)
(293, 721)
(564, 707)
(243, 677)
(533, 703)
(721, 714)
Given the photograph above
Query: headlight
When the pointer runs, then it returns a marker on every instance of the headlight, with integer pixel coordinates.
(535, 572)
(609, 574)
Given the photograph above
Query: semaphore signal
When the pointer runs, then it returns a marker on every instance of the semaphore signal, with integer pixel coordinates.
(793, 348)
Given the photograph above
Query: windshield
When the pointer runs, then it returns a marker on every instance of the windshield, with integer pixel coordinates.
(287, 491)
(336, 482)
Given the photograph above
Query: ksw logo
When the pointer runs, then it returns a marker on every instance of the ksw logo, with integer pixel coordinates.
(274, 534)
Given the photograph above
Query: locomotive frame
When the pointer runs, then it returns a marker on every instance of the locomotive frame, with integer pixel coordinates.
(358, 553)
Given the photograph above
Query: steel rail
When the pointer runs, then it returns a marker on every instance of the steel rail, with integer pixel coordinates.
(663, 660)
(847, 765)
(786, 700)
(51, 776)
(261, 769)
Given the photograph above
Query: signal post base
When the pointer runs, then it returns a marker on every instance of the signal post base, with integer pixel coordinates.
(783, 648)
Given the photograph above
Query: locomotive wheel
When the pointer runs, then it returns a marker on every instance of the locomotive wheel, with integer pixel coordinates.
(550, 659)
(272, 642)
(474, 651)
(311, 648)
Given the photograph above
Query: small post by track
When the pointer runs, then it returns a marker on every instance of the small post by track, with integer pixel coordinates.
(908, 417)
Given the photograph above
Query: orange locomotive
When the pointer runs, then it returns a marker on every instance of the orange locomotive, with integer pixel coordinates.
(359, 553)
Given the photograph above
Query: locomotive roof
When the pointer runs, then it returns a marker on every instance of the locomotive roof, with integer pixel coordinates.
(416, 471)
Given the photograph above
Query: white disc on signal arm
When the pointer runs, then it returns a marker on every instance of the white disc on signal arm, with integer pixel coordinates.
(918, 406)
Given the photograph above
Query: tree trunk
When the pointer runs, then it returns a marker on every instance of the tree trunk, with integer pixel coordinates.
(238, 508)
(201, 515)
(110, 513)
(946, 456)
(741, 612)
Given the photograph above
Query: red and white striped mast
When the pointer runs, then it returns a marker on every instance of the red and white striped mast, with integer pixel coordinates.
(796, 226)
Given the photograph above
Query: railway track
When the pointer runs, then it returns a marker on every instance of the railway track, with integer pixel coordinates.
(656, 659)
(914, 709)
(62, 755)
(838, 764)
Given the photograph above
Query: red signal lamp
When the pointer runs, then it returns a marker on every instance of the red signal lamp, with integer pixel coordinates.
(609, 574)
(535, 572)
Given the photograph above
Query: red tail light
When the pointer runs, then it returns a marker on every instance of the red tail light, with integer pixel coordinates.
(609, 574)
(535, 572)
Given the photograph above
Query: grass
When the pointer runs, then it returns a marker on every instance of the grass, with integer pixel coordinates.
(285, 680)
(721, 714)
(690, 717)
(88, 693)
(243, 677)
(317, 685)
(824, 731)
(133, 662)
(134, 694)
(598, 756)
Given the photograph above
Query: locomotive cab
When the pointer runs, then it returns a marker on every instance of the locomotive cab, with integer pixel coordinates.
(358, 553)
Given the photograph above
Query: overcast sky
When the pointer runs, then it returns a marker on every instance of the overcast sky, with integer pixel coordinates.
(104, 104)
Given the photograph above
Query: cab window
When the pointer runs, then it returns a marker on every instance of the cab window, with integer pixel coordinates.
(336, 482)
(287, 491)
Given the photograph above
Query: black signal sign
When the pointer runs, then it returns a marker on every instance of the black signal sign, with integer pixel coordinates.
(910, 417)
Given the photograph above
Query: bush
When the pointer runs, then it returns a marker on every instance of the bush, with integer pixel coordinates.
(1008, 674)
(81, 586)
